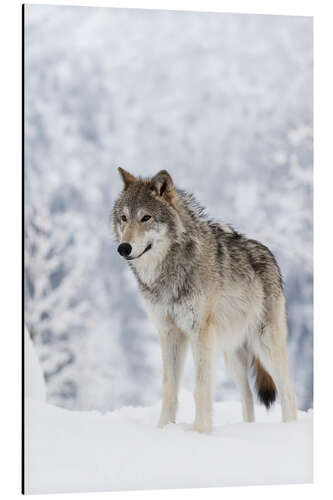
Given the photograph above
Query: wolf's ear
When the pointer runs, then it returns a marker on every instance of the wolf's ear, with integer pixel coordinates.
(162, 183)
(127, 178)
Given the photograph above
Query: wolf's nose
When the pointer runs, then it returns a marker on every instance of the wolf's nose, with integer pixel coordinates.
(124, 249)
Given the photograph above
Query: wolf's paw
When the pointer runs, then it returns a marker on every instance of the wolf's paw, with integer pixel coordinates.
(163, 421)
(202, 427)
(289, 418)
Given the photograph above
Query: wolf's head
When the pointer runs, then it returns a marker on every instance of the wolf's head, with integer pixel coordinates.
(145, 218)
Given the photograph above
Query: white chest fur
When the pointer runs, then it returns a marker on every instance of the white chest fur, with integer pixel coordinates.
(184, 317)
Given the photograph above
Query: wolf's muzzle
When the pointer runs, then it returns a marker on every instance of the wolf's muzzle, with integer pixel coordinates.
(125, 249)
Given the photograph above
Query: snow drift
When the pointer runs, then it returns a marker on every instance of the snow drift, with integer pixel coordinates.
(70, 451)
(34, 383)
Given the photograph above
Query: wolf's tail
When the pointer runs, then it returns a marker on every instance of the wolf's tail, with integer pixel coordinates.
(265, 386)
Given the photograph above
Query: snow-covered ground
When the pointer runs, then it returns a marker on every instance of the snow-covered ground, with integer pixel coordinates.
(71, 451)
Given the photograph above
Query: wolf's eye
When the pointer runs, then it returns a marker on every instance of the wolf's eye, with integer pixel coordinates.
(123, 217)
(145, 218)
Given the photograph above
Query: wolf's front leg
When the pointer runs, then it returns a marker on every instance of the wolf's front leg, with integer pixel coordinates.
(173, 344)
(204, 353)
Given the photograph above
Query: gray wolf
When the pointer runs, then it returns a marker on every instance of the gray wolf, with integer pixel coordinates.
(205, 285)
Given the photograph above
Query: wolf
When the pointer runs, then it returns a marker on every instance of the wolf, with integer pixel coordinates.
(207, 286)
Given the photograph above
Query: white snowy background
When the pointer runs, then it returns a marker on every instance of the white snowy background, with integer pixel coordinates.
(224, 102)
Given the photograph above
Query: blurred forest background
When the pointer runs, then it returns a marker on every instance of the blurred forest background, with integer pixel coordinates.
(224, 102)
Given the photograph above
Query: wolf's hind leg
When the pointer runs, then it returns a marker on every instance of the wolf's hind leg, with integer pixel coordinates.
(238, 363)
(174, 346)
(271, 350)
